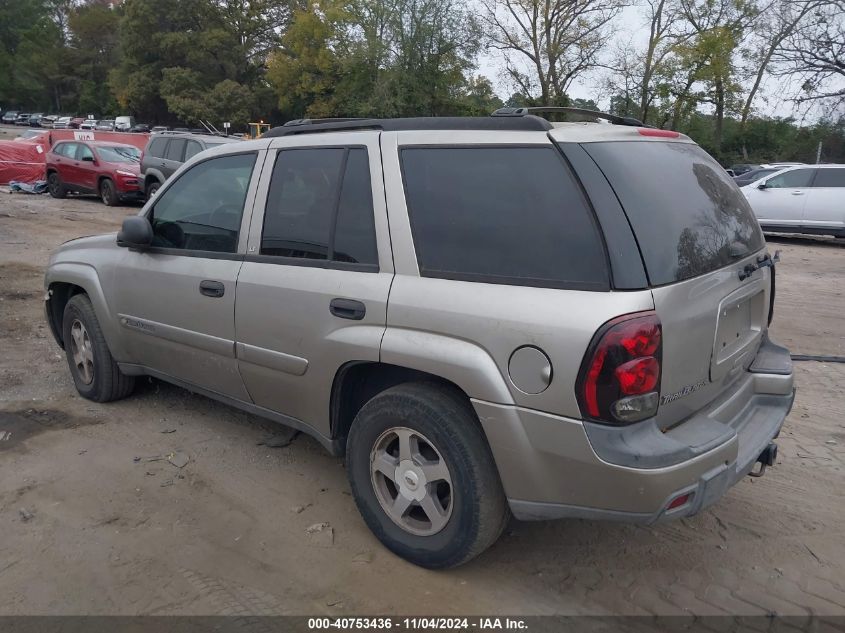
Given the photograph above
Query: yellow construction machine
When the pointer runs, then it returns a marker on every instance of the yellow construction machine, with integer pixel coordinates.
(257, 129)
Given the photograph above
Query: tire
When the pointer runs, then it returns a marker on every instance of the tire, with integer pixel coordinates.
(102, 381)
(152, 188)
(108, 193)
(447, 432)
(55, 186)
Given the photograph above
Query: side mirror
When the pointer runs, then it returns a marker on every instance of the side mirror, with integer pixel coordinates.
(762, 185)
(136, 232)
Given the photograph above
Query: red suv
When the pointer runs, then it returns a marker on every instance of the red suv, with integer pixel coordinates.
(110, 170)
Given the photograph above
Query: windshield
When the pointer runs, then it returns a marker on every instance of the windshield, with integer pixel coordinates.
(118, 154)
(688, 215)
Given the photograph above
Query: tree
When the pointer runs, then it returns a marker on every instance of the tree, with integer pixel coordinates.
(30, 44)
(306, 71)
(547, 44)
(705, 63)
(174, 55)
(774, 26)
(376, 58)
(93, 48)
(815, 51)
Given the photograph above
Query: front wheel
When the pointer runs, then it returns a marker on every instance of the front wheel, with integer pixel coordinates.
(423, 477)
(95, 372)
(108, 193)
(152, 188)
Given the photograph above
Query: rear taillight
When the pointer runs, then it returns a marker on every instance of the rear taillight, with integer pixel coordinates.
(619, 382)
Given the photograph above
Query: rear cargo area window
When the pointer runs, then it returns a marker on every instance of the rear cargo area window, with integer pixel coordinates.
(688, 216)
(508, 215)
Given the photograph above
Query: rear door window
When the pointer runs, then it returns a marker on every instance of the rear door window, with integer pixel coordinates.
(830, 178)
(320, 207)
(507, 215)
(157, 147)
(688, 216)
(176, 150)
(794, 179)
(68, 150)
(83, 152)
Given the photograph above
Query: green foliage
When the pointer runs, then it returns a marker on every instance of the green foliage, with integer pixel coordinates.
(379, 58)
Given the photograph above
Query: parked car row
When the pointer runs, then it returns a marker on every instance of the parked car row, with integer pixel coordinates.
(65, 122)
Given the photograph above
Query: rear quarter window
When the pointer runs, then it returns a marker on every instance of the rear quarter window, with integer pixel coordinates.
(507, 215)
(830, 178)
(688, 216)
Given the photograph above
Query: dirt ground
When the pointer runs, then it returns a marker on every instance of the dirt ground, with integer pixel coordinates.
(89, 529)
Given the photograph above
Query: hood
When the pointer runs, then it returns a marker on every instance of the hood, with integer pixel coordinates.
(88, 241)
(134, 168)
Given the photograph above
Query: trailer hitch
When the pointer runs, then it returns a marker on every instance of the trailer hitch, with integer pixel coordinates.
(766, 458)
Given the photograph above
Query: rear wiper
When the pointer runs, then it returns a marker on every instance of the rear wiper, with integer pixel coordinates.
(762, 262)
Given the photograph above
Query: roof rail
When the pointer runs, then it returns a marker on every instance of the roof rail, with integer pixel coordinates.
(189, 133)
(524, 111)
(308, 126)
(294, 122)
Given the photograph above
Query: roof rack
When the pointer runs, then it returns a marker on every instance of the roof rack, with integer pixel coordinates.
(525, 111)
(312, 126)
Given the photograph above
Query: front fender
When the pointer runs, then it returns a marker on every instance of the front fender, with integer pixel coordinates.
(465, 364)
(86, 277)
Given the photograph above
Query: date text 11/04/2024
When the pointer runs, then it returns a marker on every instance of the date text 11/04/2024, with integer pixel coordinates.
(419, 624)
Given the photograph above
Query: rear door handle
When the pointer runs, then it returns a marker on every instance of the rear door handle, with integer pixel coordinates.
(797, 193)
(211, 288)
(348, 309)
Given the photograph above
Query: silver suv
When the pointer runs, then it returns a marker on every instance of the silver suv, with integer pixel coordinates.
(487, 316)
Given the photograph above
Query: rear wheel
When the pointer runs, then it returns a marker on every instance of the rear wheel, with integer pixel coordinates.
(55, 186)
(423, 477)
(108, 193)
(95, 372)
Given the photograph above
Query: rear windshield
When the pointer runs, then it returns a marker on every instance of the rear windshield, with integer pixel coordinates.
(688, 215)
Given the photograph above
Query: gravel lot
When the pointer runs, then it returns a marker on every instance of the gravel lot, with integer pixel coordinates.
(87, 529)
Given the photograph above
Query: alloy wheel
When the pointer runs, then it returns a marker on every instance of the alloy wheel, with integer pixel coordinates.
(411, 481)
(82, 351)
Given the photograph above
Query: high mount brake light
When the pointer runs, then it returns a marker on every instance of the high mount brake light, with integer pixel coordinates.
(619, 380)
(648, 131)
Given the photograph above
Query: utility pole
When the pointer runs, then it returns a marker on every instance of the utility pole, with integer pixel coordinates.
(819, 153)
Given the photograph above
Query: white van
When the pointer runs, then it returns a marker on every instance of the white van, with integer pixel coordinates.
(124, 123)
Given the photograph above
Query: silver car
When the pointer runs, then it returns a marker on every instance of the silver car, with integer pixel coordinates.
(802, 199)
(487, 316)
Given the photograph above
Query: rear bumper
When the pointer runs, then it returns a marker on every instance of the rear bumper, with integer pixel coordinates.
(554, 467)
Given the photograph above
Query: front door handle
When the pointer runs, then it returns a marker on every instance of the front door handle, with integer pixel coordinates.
(797, 193)
(211, 288)
(348, 309)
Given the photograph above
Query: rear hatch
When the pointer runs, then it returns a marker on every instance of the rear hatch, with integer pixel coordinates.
(696, 233)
